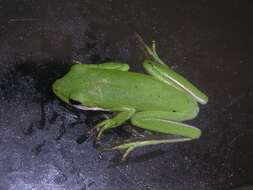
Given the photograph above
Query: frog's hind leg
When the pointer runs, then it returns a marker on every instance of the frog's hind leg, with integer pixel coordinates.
(170, 77)
(166, 123)
(131, 145)
(157, 68)
(158, 123)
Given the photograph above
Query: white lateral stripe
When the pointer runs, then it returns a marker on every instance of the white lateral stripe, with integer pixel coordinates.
(175, 122)
(88, 108)
(186, 89)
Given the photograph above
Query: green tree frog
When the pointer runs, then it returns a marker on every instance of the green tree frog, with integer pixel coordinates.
(159, 101)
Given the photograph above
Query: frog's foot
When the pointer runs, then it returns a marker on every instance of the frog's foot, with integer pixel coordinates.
(150, 51)
(91, 132)
(129, 146)
(113, 122)
(101, 127)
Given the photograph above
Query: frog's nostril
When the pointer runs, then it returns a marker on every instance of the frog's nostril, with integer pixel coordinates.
(55, 89)
(56, 86)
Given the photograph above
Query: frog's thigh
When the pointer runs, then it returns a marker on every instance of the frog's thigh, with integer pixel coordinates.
(164, 122)
(108, 65)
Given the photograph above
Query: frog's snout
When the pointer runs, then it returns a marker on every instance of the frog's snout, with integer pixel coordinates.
(55, 87)
(58, 90)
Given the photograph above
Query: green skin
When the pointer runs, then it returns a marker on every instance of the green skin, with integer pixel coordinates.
(158, 102)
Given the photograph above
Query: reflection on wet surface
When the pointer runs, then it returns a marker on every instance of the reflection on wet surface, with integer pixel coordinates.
(44, 143)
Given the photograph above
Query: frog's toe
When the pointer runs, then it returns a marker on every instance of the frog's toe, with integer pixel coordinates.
(91, 132)
(126, 150)
(104, 125)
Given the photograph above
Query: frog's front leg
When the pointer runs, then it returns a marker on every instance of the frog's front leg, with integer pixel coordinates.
(162, 122)
(107, 65)
(120, 118)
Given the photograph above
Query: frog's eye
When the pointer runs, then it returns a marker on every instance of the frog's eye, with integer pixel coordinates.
(74, 102)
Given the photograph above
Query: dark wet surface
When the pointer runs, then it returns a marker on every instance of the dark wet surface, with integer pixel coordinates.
(43, 143)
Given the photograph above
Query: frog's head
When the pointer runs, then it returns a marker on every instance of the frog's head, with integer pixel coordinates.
(68, 88)
(61, 89)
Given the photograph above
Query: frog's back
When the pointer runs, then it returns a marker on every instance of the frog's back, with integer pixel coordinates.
(112, 89)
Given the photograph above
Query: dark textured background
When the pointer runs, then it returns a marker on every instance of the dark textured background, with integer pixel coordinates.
(208, 42)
